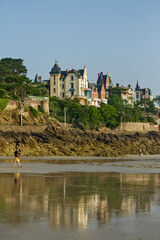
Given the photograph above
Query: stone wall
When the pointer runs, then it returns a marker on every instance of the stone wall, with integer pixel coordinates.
(44, 104)
(138, 127)
(11, 105)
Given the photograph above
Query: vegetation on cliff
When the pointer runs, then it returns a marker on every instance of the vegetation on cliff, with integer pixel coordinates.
(91, 117)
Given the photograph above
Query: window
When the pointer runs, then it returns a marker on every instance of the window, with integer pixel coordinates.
(62, 94)
(72, 93)
(72, 85)
(54, 77)
(54, 90)
(62, 86)
(54, 83)
(71, 78)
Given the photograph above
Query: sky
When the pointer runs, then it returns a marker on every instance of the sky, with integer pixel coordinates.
(121, 37)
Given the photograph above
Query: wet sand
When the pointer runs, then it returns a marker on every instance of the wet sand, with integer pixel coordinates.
(128, 157)
(55, 164)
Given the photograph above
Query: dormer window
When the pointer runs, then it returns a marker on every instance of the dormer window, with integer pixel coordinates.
(72, 78)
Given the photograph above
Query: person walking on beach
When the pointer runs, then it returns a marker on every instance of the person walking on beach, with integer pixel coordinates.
(17, 160)
(140, 152)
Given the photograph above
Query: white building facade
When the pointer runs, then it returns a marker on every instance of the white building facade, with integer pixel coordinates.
(69, 83)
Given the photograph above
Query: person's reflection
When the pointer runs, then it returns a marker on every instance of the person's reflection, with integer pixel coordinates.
(18, 182)
(17, 177)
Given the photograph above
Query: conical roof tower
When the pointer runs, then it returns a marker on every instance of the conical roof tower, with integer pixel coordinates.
(56, 69)
(137, 87)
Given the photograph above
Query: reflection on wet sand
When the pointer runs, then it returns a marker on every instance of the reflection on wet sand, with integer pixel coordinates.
(73, 199)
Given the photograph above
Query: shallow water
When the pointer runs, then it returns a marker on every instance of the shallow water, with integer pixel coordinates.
(79, 206)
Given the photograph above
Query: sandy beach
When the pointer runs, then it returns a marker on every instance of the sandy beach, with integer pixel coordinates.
(55, 164)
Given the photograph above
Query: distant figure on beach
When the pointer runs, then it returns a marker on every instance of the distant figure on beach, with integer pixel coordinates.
(17, 160)
(140, 152)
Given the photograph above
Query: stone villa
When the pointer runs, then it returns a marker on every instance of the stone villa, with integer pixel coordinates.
(74, 84)
(141, 93)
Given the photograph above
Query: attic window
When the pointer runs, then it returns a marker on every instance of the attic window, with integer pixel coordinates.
(71, 78)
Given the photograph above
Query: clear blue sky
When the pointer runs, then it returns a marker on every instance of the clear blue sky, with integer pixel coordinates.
(121, 37)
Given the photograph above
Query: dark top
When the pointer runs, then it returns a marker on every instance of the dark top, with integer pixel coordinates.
(16, 153)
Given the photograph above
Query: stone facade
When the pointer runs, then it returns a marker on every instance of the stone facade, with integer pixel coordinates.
(34, 102)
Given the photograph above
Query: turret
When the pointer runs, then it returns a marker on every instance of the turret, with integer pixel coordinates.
(55, 75)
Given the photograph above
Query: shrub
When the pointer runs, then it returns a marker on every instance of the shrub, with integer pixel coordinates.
(33, 111)
(3, 103)
(2, 93)
(151, 120)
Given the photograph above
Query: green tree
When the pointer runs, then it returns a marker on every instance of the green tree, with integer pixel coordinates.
(157, 99)
(18, 86)
(11, 67)
(109, 116)
(38, 90)
(94, 117)
(116, 102)
(116, 91)
(13, 78)
(148, 106)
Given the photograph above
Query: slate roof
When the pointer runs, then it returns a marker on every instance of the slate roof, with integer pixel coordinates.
(105, 79)
(137, 87)
(36, 78)
(75, 71)
(102, 79)
(56, 69)
(81, 71)
(143, 90)
(64, 73)
(91, 85)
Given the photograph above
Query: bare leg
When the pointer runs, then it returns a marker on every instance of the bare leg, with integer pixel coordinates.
(19, 164)
(14, 164)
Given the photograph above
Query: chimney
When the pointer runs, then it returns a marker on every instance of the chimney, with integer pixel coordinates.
(40, 78)
(117, 84)
(67, 70)
(129, 86)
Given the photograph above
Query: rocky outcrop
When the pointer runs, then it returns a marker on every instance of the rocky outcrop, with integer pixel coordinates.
(60, 141)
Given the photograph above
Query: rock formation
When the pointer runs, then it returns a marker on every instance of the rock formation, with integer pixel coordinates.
(60, 141)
